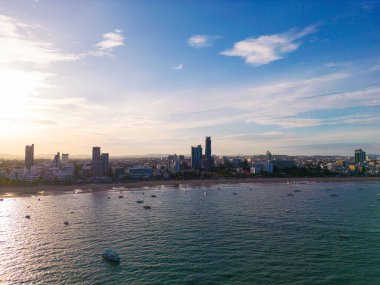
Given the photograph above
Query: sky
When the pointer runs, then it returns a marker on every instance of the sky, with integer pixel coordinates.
(151, 77)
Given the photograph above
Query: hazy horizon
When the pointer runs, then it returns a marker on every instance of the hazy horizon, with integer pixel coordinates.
(88, 156)
(143, 77)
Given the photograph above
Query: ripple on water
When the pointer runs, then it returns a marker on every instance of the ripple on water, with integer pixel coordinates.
(254, 237)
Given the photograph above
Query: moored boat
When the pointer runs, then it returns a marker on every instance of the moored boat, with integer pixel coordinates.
(111, 255)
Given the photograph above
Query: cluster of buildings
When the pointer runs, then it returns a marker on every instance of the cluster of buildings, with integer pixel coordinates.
(58, 169)
(198, 160)
(100, 169)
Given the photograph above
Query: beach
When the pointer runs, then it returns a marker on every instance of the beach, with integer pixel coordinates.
(17, 191)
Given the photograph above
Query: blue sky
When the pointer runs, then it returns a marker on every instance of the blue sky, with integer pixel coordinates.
(141, 77)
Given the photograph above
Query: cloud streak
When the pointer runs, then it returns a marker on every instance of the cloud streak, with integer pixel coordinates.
(109, 42)
(178, 67)
(201, 41)
(268, 48)
(18, 46)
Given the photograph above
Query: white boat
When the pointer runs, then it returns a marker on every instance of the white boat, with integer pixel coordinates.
(111, 255)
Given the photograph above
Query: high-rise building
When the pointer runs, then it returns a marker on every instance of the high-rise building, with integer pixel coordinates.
(65, 158)
(57, 160)
(196, 157)
(29, 156)
(172, 158)
(360, 155)
(268, 155)
(96, 161)
(105, 164)
(209, 161)
(208, 148)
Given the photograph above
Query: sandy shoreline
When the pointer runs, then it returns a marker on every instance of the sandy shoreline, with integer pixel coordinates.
(17, 191)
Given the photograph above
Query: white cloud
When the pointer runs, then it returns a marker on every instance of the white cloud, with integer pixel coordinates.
(109, 42)
(285, 122)
(265, 49)
(17, 45)
(297, 87)
(178, 67)
(337, 64)
(201, 41)
(375, 68)
(288, 104)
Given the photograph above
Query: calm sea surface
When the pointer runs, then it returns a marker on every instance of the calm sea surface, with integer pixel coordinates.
(259, 235)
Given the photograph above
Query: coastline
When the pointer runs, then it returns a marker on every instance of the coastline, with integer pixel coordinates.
(25, 191)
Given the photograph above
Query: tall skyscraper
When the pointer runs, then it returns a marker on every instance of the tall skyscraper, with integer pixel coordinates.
(209, 163)
(96, 161)
(65, 158)
(208, 148)
(360, 155)
(29, 156)
(105, 163)
(268, 155)
(196, 157)
(57, 160)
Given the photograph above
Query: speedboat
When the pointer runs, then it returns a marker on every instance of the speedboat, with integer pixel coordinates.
(111, 255)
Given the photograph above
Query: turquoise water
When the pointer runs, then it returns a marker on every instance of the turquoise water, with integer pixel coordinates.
(258, 236)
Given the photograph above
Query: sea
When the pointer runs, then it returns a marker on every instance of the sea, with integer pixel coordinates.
(296, 233)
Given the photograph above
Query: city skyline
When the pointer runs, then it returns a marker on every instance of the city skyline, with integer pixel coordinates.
(142, 79)
(97, 157)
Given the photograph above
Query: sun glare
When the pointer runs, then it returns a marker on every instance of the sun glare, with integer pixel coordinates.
(17, 88)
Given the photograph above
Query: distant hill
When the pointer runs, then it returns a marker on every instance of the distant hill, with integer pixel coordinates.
(10, 156)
